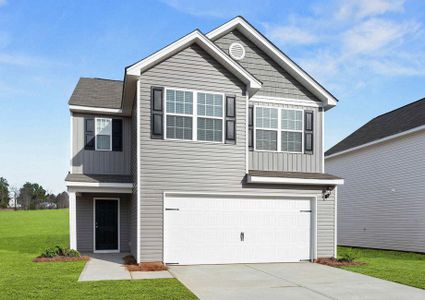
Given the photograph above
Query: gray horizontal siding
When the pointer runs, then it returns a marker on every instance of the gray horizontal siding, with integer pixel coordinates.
(291, 162)
(276, 81)
(381, 204)
(99, 162)
(85, 214)
(187, 166)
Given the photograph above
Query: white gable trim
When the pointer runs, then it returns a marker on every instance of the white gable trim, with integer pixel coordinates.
(196, 37)
(285, 62)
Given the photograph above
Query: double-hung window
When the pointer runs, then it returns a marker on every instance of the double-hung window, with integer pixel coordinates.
(194, 115)
(278, 129)
(266, 132)
(179, 114)
(210, 117)
(292, 130)
(103, 134)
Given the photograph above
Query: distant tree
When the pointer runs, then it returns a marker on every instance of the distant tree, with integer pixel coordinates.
(4, 193)
(31, 195)
(15, 194)
(62, 200)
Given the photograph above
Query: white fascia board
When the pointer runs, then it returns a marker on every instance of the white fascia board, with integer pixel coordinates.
(285, 62)
(208, 46)
(80, 108)
(394, 136)
(281, 100)
(295, 181)
(101, 187)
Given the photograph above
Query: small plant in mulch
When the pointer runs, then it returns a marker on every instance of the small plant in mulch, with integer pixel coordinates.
(132, 265)
(347, 259)
(59, 253)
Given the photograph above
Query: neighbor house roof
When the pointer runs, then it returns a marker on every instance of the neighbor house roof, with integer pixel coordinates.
(392, 123)
(97, 92)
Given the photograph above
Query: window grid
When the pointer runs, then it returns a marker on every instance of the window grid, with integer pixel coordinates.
(211, 110)
(297, 122)
(103, 134)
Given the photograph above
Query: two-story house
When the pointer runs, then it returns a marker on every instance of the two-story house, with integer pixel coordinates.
(209, 151)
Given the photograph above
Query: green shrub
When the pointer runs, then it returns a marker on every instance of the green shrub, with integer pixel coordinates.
(349, 255)
(60, 251)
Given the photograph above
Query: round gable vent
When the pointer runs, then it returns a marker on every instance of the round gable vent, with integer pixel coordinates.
(237, 51)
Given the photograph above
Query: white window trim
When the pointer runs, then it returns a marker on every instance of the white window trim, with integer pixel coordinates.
(96, 133)
(264, 128)
(194, 115)
(292, 130)
(279, 129)
(94, 226)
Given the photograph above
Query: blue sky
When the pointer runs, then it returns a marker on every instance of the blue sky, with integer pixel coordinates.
(369, 53)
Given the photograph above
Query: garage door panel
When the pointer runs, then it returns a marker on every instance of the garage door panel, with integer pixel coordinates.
(208, 230)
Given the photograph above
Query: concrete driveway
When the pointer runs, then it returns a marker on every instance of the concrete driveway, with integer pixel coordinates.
(287, 281)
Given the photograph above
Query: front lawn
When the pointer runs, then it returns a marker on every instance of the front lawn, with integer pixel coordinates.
(402, 267)
(24, 234)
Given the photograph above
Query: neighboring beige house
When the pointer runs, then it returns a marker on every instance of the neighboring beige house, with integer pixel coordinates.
(209, 151)
(382, 203)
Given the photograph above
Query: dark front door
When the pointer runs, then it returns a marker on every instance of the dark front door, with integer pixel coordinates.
(106, 226)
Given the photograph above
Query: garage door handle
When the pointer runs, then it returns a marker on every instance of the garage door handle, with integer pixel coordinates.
(242, 236)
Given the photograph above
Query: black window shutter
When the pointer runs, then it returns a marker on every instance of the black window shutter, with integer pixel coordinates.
(157, 111)
(89, 134)
(251, 127)
(230, 121)
(116, 135)
(308, 132)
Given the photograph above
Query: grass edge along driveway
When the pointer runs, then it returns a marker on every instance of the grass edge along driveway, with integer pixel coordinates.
(402, 267)
(24, 234)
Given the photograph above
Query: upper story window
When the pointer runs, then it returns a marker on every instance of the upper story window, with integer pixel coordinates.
(292, 130)
(196, 115)
(210, 117)
(179, 114)
(102, 134)
(278, 129)
(266, 120)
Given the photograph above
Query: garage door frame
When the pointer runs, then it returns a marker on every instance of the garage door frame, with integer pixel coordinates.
(282, 196)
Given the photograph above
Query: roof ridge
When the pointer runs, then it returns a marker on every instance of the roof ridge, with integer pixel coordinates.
(391, 111)
(106, 79)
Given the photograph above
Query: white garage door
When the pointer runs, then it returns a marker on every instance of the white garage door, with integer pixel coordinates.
(236, 230)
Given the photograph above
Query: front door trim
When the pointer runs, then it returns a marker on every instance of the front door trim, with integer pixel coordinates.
(94, 225)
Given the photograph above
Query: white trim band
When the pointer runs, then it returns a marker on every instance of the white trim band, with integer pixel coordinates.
(100, 184)
(80, 108)
(296, 181)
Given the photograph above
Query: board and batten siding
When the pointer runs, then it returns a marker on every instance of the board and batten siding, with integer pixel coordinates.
(99, 162)
(276, 81)
(204, 167)
(85, 218)
(291, 162)
(382, 202)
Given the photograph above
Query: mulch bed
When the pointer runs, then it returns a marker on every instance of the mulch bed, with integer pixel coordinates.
(337, 262)
(132, 265)
(60, 258)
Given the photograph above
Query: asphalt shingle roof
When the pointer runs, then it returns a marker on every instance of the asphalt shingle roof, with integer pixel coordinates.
(396, 121)
(97, 92)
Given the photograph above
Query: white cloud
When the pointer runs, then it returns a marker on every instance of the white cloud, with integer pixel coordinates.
(374, 34)
(292, 35)
(368, 8)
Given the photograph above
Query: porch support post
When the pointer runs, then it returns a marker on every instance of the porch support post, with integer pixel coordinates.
(72, 221)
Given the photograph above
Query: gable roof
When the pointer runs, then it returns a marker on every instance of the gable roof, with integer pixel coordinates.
(277, 55)
(199, 38)
(390, 124)
(97, 93)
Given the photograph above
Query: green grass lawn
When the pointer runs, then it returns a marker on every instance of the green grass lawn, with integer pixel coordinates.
(402, 267)
(24, 234)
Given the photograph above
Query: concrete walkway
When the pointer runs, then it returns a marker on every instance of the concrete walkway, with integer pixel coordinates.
(287, 281)
(109, 266)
